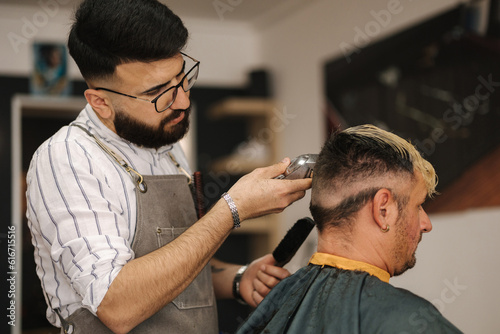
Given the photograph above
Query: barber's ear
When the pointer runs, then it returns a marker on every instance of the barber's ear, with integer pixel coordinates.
(383, 207)
(101, 104)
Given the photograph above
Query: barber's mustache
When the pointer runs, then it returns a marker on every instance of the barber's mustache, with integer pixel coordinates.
(176, 113)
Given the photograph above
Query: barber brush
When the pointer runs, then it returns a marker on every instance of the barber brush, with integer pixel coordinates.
(292, 241)
(198, 195)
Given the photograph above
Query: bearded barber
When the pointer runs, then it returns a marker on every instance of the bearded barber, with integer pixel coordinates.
(118, 246)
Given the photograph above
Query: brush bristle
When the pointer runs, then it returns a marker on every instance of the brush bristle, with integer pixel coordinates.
(292, 241)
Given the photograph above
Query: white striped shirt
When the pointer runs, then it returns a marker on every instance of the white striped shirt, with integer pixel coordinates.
(82, 210)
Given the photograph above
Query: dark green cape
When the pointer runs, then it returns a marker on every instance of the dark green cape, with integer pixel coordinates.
(325, 299)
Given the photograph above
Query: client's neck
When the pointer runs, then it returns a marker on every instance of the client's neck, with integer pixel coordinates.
(352, 245)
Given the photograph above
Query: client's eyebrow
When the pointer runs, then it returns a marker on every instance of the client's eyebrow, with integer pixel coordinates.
(158, 87)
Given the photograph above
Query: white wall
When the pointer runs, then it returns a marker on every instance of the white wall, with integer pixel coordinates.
(228, 50)
(457, 270)
(20, 26)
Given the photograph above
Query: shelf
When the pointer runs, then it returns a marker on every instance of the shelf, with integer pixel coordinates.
(238, 165)
(239, 106)
(48, 106)
(262, 152)
(259, 150)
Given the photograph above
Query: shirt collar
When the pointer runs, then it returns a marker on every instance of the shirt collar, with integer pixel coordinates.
(324, 259)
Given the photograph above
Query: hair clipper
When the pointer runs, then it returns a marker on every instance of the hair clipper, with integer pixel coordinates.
(300, 168)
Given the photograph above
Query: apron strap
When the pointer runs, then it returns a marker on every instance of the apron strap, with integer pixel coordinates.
(180, 168)
(136, 176)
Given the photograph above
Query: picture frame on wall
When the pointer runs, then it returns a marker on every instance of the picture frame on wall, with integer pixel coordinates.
(50, 72)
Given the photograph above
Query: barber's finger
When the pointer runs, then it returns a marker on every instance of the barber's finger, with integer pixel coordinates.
(274, 170)
(294, 195)
(257, 298)
(298, 184)
(261, 287)
(273, 271)
(267, 280)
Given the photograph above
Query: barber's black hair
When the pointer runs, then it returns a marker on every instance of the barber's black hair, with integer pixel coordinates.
(107, 33)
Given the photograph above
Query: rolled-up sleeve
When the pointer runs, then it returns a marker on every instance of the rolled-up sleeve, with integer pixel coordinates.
(82, 220)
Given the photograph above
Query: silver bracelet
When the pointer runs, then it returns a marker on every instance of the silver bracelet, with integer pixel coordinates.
(236, 285)
(234, 210)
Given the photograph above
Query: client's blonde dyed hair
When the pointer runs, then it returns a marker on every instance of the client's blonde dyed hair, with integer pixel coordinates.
(403, 148)
(354, 164)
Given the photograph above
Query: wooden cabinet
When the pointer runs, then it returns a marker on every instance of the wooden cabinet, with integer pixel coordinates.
(260, 149)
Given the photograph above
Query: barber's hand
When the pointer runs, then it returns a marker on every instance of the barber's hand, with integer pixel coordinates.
(258, 193)
(259, 278)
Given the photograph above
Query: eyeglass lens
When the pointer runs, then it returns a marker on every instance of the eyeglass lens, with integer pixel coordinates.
(167, 99)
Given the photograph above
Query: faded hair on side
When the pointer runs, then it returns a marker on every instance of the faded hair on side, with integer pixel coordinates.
(356, 156)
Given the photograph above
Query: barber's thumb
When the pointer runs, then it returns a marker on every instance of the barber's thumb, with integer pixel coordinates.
(277, 168)
(285, 161)
(280, 167)
(267, 260)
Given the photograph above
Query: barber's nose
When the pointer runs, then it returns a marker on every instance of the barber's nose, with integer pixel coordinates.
(181, 100)
(425, 222)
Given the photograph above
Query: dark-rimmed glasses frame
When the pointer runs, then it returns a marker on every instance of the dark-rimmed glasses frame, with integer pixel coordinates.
(176, 87)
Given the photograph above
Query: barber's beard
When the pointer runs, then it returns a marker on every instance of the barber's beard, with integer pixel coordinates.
(148, 136)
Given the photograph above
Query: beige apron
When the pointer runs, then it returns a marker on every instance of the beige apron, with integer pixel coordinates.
(165, 209)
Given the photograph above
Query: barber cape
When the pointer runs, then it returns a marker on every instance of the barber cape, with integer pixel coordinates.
(338, 295)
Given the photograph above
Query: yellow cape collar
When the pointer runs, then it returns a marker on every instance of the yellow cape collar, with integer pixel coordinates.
(323, 259)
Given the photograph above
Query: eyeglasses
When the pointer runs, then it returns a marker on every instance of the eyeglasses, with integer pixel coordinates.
(165, 100)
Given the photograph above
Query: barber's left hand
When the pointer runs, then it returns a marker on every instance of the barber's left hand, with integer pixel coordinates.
(259, 278)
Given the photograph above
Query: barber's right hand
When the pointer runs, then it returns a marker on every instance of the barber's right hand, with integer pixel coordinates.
(258, 193)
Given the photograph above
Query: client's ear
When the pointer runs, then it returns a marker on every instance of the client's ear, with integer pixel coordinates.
(384, 209)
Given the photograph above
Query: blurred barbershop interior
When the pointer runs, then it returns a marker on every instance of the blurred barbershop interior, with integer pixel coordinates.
(276, 78)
